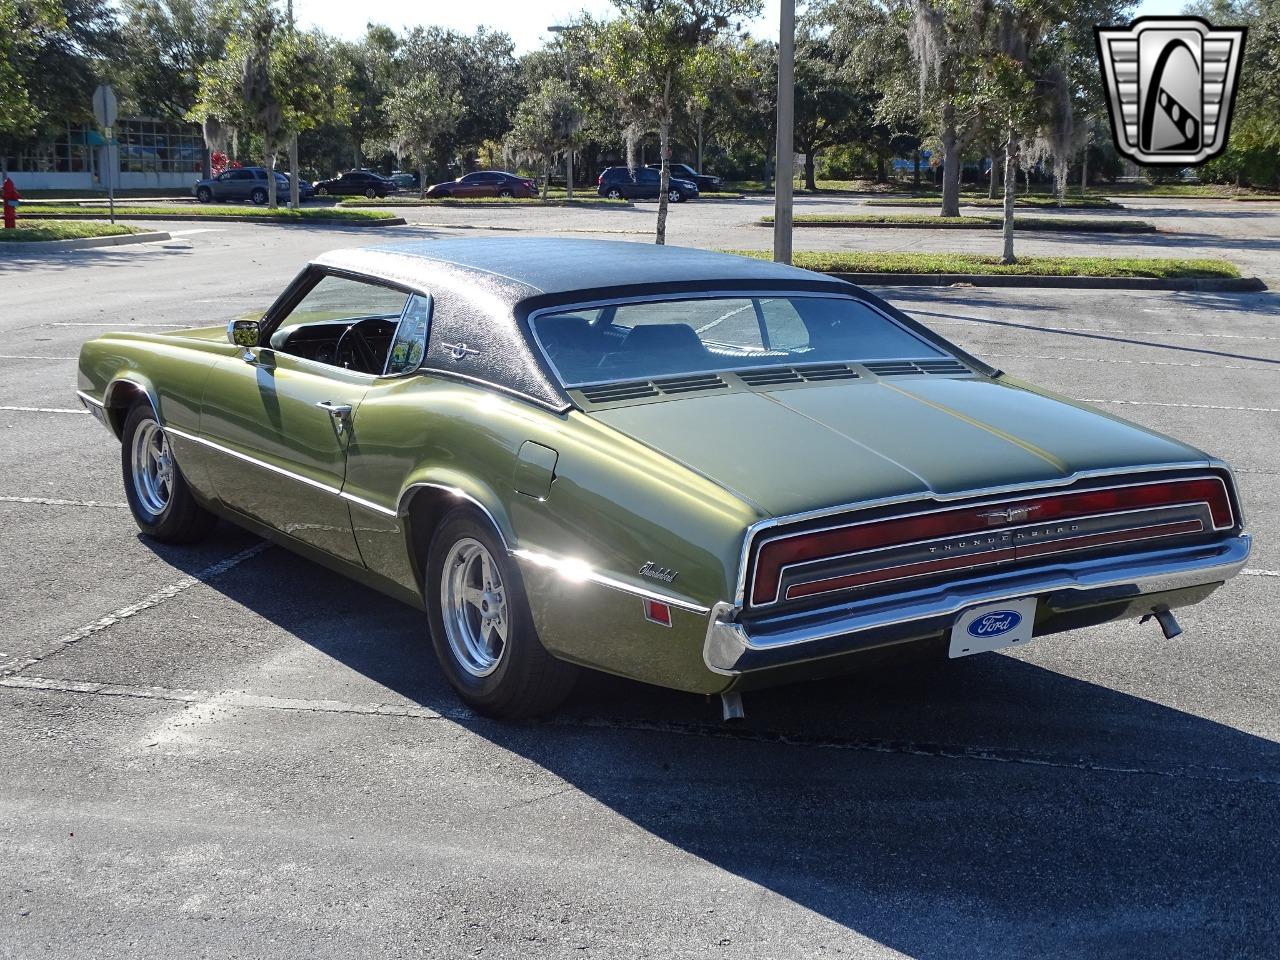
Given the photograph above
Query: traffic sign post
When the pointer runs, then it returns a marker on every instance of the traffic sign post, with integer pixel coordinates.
(105, 111)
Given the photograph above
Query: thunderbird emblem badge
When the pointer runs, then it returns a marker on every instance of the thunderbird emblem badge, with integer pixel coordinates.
(1011, 515)
(1171, 83)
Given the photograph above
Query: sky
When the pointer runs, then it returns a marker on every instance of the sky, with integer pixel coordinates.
(525, 20)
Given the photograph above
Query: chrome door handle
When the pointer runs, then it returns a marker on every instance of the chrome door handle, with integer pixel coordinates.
(340, 412)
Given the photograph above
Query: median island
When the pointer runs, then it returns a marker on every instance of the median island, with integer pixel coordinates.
(909, 220)
(177, 211)
(38, 231)
(1153, 268)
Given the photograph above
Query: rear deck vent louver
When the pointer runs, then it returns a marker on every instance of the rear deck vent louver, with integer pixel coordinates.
(768, 377)
(688, 384)
(900, 368)
(828, 371)
(613, 392)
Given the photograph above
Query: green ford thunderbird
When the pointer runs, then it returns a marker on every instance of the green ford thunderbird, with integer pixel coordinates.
(700, 471)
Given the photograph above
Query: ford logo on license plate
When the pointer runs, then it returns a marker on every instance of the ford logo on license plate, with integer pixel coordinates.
(995, 624)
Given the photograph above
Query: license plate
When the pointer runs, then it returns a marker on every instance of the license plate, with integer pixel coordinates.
(993, 626)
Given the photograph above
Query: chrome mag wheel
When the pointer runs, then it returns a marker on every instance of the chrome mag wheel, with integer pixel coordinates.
(152, 467)
(474, 607)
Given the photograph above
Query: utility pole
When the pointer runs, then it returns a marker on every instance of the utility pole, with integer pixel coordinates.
(785, 173)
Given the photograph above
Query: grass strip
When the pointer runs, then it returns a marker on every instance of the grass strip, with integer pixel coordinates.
(1160, 268)
(1071, 203)
(479, 202)
(211, 210)
(1078, 224)
(35, 231)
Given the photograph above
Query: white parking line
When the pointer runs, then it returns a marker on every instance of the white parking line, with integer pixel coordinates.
(51, 502)
(116, 323)
(933, 319)
(1249, 571)
(1187, 406)
(44, 410)
(132, 609)
(1145, 363)
(27, 356)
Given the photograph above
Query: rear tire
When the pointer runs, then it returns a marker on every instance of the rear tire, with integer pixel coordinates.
(159, 497)
(370, 193)
(259, 196)
(481, 625)
(505, 194)
(614, 194)
(322, 191)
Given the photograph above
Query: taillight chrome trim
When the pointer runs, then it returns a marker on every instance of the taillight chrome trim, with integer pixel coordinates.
(986, 496)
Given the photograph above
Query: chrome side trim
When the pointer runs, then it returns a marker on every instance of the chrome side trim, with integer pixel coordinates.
(85, 398)
(731, 649)
(281, 471)
(577, 570)
(403, 507)
(984, 493)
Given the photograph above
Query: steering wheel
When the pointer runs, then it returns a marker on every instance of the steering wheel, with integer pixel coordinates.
(361, 352)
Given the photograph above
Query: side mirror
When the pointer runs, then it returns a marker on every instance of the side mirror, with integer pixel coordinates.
(243, 333)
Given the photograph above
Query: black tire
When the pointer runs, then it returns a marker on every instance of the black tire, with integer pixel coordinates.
(675, 196)
(322, 191)
(182, 519)
(204, 195)
(614, 194)
(370, 193)
(527, 682)
(259, 196)
(506, 193)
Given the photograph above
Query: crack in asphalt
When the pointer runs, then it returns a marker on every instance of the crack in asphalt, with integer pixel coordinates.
(132, 609)
(233, 699)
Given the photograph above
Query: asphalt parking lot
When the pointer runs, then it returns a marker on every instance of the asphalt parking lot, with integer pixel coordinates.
(226, 751)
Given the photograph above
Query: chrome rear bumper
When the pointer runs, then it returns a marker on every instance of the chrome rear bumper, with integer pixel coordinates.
(735, 647)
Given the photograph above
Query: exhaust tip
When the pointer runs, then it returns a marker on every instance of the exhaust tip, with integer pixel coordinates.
(731, 706)
(1168, 622)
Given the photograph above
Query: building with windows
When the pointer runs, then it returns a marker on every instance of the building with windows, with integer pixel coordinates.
(147, 153)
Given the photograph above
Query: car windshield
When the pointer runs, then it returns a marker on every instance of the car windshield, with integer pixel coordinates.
(636, 341)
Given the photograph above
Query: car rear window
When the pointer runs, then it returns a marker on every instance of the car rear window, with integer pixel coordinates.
(636, 341)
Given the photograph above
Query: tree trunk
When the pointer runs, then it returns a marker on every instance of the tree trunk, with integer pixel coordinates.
(950, 163)
(700, 141)
(664, 177)
(271, 179)
(1010, 181)
(1084, 171)
(546, 179)
(295, 199)
(568, 173)
(882, 173)
(422, 181)
(810, 183)
(915, 172)
(994, 180)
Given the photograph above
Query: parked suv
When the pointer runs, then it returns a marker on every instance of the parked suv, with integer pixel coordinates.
(705, 181)
(617, 182)
(245, 183)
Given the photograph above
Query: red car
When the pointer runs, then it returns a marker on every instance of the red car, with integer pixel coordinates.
(485, 183)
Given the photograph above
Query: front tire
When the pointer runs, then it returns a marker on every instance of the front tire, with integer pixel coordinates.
(204, 195)
(675, 196)
(159, 497)
(481, 625)
(322, 191)
(259, 196)
(370, 193)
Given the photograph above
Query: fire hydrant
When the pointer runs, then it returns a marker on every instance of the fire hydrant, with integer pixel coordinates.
(11, 198)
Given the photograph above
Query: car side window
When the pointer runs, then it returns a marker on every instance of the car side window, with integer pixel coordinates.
(341, 298)
(410, 341)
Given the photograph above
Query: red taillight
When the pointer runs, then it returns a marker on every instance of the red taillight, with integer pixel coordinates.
(777, 554)
(599, 179)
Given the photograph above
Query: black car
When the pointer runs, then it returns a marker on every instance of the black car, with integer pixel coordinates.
(245, 183)
(706, 182)
(618, 182)
(356, 183)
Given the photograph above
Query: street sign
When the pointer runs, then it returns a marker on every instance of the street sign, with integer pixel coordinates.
(104, 105)
(108, 133)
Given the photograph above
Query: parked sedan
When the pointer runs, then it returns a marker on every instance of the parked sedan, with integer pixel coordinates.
(356, 183)
(485, 183)
(706, 183)
(701, 471)
(245, 183)
(645, 184)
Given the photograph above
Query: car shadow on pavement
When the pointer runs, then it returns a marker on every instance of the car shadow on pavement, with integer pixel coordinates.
(985, 807)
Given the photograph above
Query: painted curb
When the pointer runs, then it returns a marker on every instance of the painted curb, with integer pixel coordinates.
(84, 243)
(995, 225)
(197, 218)
(1213, 284)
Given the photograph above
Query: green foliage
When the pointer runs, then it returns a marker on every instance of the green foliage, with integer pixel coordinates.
(165, 45)
(547, 125)
(421, 114)
(1163, 268)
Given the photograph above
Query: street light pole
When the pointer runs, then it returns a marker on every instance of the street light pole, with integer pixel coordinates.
(782, 185)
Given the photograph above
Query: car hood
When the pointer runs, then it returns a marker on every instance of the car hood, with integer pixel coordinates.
(788, 451)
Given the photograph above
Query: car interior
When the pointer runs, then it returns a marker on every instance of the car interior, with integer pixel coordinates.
(362, 344)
